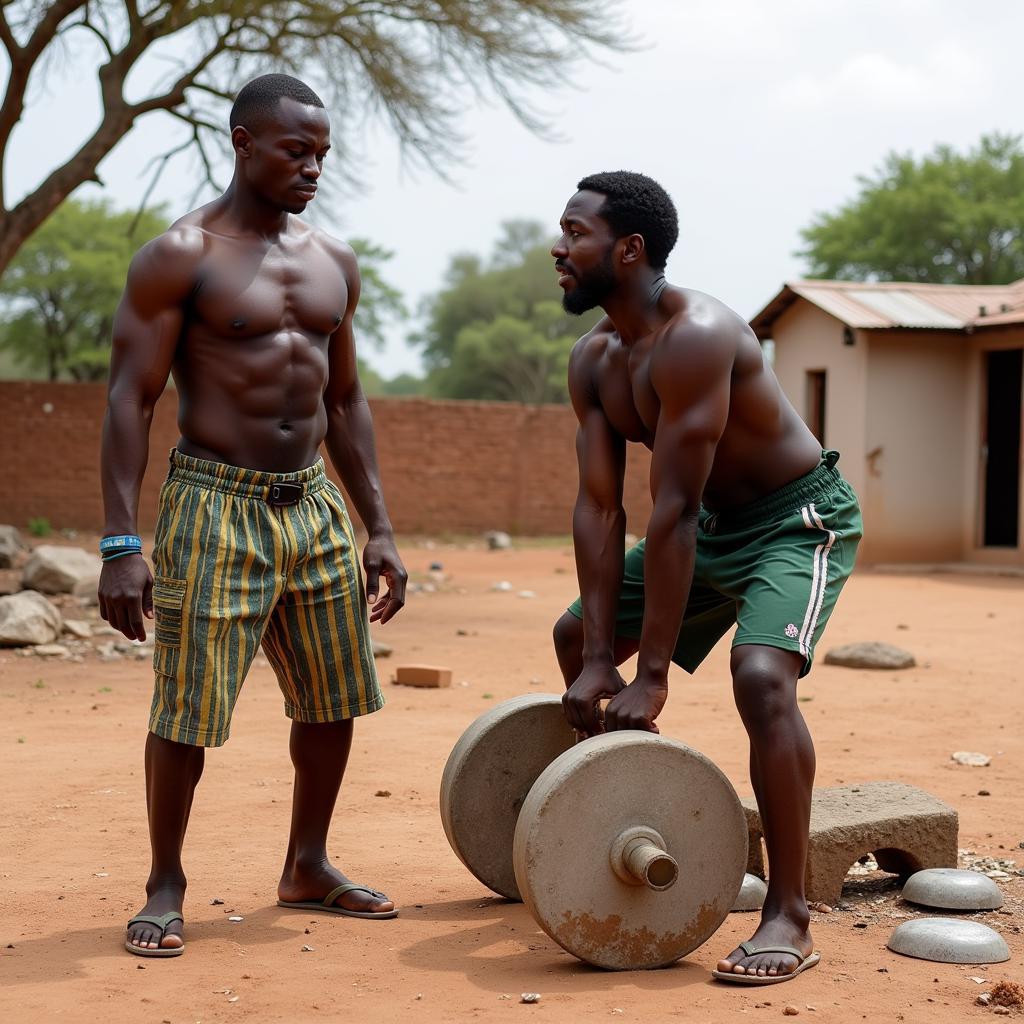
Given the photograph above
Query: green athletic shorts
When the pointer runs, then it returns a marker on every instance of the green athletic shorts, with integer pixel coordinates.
(775, 567)
(244, 558)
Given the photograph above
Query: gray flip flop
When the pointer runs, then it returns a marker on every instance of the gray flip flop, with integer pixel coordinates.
(162, 922)
(328, 906)
(805, 964)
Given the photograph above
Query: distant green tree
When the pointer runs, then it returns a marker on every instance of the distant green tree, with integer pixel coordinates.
(404, 385)
(497, 329)
(949, 218)
(377, 386)
(58, 296)
(380, 303)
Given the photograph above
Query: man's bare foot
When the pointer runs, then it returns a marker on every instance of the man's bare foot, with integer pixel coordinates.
(162, 900)
(773, 931)
(310, 884)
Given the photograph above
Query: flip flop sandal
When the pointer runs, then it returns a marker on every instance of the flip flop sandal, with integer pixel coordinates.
(328, 905)
(805, 964)
(162, 922)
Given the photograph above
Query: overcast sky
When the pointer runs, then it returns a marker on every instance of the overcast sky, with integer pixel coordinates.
(754, 114)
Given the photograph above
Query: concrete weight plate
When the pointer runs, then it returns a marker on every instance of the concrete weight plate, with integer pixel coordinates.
(630, 850)
(947, 940)
(953, 889)
(488, 774)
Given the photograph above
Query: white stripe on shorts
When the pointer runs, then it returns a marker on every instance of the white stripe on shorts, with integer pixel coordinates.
(819, 578)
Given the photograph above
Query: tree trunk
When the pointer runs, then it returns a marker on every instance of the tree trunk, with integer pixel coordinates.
(18, 224)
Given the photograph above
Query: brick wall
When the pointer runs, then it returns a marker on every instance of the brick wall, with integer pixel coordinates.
(447, 467)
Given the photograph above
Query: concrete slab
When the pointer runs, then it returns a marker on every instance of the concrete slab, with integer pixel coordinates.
(905, 828)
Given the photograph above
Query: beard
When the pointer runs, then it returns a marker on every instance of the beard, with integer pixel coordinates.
(592, 290)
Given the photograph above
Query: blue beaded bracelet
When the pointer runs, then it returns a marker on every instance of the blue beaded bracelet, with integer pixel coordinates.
(120, 554)
(120, 543)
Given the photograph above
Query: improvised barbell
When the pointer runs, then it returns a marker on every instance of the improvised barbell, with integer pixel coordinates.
(628, 848)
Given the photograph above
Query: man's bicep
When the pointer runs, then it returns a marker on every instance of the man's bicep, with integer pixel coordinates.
(684, 452)
(343, 376)
(147, 324)
(601, 453)
(695, 391)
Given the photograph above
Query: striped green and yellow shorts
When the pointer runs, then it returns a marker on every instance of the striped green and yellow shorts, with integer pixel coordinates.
(774, 568)
(244, 558)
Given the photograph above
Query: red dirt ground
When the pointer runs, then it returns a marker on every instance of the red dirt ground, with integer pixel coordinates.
(74, 850)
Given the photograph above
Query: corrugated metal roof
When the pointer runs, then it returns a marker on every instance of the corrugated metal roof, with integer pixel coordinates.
(892, 304)
(905, 308)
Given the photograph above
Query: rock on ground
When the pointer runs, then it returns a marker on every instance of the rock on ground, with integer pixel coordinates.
(28, 618)
(870, 655)
(61, 570)
(497, 540)
(11, 545)
(51, 650)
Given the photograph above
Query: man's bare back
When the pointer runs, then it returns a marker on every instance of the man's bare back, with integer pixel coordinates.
(764, 444)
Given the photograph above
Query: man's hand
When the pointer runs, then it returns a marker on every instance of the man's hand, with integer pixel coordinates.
(581, 701)
(636, 706)
(380, 558)
(126, 595)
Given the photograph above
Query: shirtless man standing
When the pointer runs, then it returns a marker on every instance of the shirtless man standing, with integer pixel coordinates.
(251, 311)
(752, 523)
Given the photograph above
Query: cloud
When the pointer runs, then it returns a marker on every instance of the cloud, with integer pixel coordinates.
(947, 75)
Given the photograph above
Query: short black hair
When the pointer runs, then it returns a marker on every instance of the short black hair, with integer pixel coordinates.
(636, 204)
(257, 101)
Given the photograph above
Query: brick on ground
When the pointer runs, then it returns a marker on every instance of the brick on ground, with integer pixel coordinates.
(431, 676)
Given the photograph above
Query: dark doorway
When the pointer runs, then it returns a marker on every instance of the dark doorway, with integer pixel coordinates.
(817, 385)
(1002, 447)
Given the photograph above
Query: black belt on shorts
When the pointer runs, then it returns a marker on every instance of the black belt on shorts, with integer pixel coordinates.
(283, 494)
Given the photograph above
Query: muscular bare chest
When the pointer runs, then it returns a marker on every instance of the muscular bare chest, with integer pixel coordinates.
(245, 293)
(628, 397)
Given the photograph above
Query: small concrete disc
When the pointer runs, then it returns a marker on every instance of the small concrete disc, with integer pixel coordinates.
(753, 890)
(489, 772)
(953, 889)
(948, 940)
(584, 801)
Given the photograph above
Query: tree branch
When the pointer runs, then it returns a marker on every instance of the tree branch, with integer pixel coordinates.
(7, 38)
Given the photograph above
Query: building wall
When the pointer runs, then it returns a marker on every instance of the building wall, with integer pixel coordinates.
(807, 338)
(447, 467)
(916, 495)
(981, 342)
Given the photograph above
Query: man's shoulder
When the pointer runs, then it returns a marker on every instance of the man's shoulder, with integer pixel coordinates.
(592, 345)
(699, 317)
(170, 262)
(184, 239)
(341, 252)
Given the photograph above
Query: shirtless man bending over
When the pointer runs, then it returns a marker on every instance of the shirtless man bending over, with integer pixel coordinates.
(251, 311)
(752, 524)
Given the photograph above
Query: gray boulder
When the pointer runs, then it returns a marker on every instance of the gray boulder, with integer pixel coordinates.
(61, 570)
(28, 618)
(870, 655)
(11, 546)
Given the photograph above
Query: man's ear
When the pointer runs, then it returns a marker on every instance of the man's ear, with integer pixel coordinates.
(241, 141)
(632, 248)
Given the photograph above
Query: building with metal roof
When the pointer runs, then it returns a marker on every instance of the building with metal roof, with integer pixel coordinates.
(920, 387)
